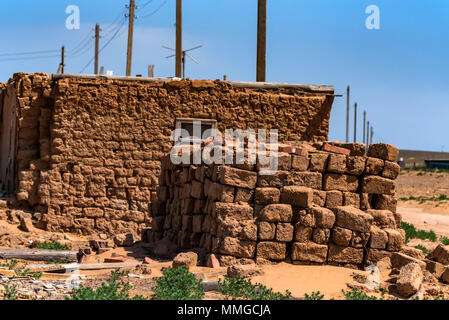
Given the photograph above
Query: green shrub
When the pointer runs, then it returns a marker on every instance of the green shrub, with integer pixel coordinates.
(316, 295)
(52, 245)
(423, 249)
(11, 264)
(241, 287)
(356, 294)
(113, 289)
(412, 233)
(60, 261)
(37, 275)
(22, 273)
(10, 292)
(178, 284)
(444, 240)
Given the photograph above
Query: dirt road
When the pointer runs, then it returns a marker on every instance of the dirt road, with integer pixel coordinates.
(421, 219)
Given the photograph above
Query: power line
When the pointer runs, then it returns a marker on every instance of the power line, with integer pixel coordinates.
(145, 4)
(27, 53)
(106, 44)
(155, 11)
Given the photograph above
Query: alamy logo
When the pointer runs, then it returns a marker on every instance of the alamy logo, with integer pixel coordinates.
(73, 20)
(238, 147)
(373, 20)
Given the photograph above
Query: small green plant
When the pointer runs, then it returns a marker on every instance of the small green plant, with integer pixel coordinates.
(11, 264)
(52, 245)
(37, 275)
(22, 273)
(423, 249)
(241, 287)
(178, 284)
(113, 289)
(356, 294)
(444, 240)
(10, 292)
(412, 233)
(315, 295)
(421, 200)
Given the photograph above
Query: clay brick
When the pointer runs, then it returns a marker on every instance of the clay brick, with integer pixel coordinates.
(324, 218)
(334, 199)
(237, 177)
(375, 255)
(355, 165)
(379, 238)
(374, 166)
(351, 199)
(249, 231)
(341, 236)
(276, 180)
(197, 190)
(360, 239)
(284, 232)
(306, 218)
(378, 185)
(307, 179)
(297, 196)
(276, 213)
(391, 170)
(332, 148)
(266, 230)
(93, 212)
(318, 162)
(302, 233)
(383, 218)
(300, 163)
(267, 195)
(383, 151)
(271, 250)
(233, 210)
(356, 149)
(243, 195)
(349, 255)
(353, 219)
(336, 163)
(319, 198)
(321, 236)
(237, 248)
(384, 202)
(309, 252)
(340, 182)
(395, 240)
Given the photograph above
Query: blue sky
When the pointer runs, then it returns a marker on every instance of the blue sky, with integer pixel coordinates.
(398, 74)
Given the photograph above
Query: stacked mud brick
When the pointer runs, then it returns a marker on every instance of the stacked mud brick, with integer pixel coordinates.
(333, 203)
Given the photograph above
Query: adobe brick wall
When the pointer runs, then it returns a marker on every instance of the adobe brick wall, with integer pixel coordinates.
(320, 207)
(88, 150)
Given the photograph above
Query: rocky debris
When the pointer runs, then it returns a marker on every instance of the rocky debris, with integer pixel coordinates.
(212, 261)
(247, 270)
(144, 269)
(119, 258)
(189, 259)
(435, 268)
(445, 275)
(409, 280)
(413, 252)
(399, 260)
(124, 240)
(26, 224)
(440, 254)
(148, 260)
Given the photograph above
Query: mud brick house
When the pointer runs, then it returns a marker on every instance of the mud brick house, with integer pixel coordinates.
(83, 153)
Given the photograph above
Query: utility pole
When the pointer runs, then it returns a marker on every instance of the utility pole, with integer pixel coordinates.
(97, 44)
(179, 53)
(151, 71)
(261, 40)
(355, 122)
(347, 113)
(132, 6)
(371, 139)
(62, 64)
(367, 134)
(364, 125)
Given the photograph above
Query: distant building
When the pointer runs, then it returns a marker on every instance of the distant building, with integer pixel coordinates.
(417, 159)
(437, 164)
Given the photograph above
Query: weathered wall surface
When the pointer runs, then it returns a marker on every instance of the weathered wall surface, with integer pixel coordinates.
(88, 155)
(321, 207)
